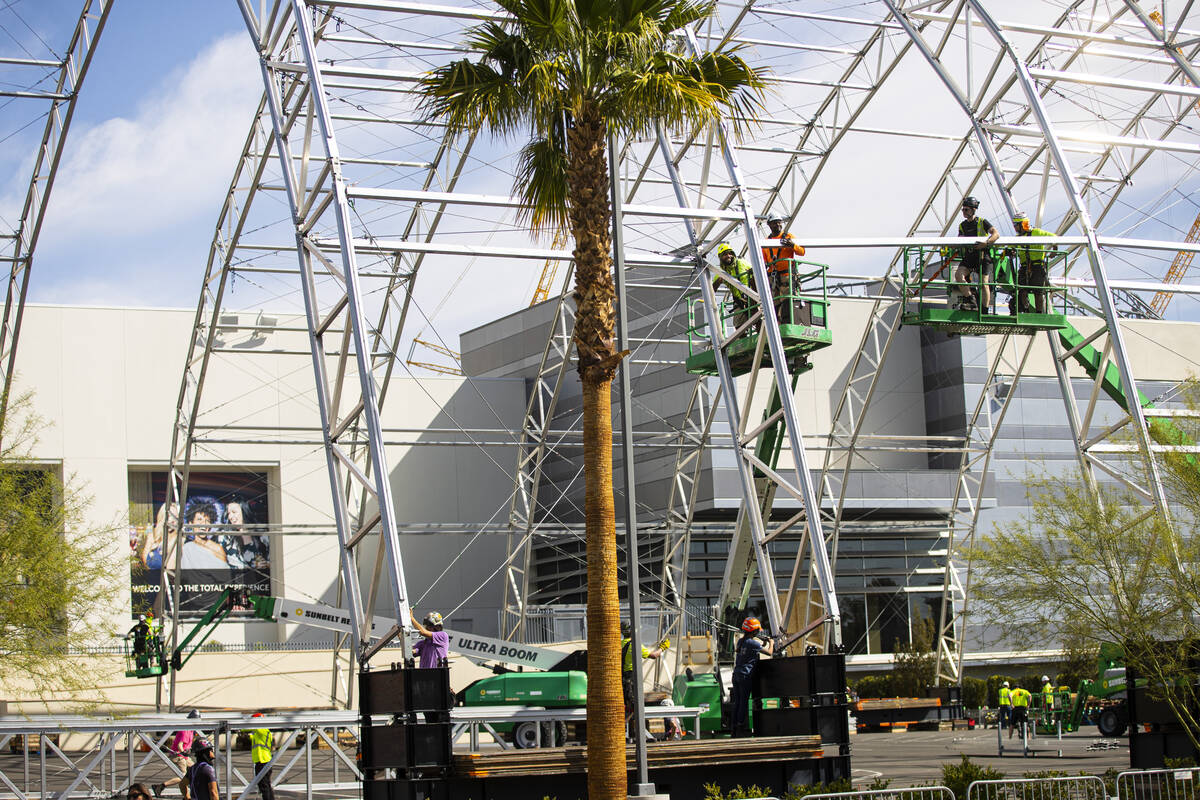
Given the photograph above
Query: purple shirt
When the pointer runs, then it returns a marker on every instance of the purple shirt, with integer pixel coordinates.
(433, 650)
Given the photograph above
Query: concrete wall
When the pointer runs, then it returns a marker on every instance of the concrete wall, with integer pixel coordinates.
(106, 382)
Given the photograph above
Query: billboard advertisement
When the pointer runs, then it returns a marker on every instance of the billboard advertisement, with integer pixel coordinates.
(225, 540)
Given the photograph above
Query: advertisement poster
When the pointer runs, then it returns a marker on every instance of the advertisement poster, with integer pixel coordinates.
(225, 541)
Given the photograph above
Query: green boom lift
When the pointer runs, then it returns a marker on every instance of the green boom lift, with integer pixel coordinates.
(153, 661)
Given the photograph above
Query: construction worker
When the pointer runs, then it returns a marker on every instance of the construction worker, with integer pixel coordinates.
(140, 633)
(180, 750)
(630, 683)
(1020, 709)
(974, 257)
(778, 260)
(155, 639)
(1047, 698)
(203, 775)
(1032, 279)
(738, 269)
(434, 646)
(749, 648)
(260, 754)
(1005, 705)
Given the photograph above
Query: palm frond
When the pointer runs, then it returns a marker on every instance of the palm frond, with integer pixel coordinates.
(468, 95)
(684, 12)
(675, 89)
(541, 181)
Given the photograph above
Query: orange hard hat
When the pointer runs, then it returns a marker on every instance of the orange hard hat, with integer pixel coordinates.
(751, 625)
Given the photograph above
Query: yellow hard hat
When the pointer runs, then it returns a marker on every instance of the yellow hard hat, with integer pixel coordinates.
(722, 247)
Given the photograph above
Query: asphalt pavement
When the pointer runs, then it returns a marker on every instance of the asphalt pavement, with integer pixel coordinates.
(917, 756)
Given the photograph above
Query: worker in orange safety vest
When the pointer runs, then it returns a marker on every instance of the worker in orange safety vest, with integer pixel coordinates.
(778, 252)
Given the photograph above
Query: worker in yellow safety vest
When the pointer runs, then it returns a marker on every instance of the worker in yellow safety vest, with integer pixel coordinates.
(739, 269)
(260, 753)
(1031, 277)
(1020, 705)
(1047, 696)
(1005, 705)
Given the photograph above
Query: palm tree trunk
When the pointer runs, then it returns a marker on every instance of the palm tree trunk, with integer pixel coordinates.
(590, 217)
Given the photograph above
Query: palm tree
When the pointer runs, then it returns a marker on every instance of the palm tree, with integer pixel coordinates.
(566, 73)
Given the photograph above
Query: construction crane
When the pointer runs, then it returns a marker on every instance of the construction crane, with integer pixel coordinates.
(1183, 259)
(549, 270)
(437, 348)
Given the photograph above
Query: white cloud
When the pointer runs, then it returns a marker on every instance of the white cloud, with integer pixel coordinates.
(172, 159)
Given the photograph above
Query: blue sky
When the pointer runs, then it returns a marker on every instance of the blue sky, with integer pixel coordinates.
(157, 130)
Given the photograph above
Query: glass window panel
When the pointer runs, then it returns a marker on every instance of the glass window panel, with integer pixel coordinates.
(854, 622)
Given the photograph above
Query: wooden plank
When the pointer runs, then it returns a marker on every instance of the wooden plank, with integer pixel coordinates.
(888, 703)
(684, 752)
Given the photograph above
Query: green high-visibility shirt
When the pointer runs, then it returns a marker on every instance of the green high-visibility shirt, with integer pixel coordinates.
(741, 270)
(1048, 694)
(260, 745)
(627, 654)
(1005, 696)
(1020, 698)
(1033, 253)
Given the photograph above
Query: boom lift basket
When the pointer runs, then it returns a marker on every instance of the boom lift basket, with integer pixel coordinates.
(933, 297)
(803, 311)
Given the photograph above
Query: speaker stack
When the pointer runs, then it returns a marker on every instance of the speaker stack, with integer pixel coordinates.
(806, 696)
(407, 757)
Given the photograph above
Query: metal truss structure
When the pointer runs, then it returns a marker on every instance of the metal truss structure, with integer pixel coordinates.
(535, 444)
(54, 84)
(343, 193)
(69, 756)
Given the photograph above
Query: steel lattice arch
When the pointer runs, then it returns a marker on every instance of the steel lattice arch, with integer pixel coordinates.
(354, 211)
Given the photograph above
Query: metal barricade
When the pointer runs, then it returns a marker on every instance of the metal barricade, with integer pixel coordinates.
(62, 757)
(1159, 784)
(910, 793)
(1081, 787)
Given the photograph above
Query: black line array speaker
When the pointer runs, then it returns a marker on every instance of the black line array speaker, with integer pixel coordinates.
(831, 723)
(405, 790)
(402, 691)
(406, 746)
(801, 676)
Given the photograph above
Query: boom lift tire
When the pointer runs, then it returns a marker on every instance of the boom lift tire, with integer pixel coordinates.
(1111, 722)
(524, 734)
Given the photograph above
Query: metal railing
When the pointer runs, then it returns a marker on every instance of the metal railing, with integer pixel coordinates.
(1081, 787)
(928, 280)
(1159, 784)
(73, 756)
(910, 793)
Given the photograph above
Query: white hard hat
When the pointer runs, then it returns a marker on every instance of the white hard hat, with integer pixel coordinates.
(1045, 678)
(141, 617)
(1005, 683)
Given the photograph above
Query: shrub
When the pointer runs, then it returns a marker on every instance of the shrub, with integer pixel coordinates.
(957, 777)
(874, 686)
(713, 791)
(975, 692)
(804, 790)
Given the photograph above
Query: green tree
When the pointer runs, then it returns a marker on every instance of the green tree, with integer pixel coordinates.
(1078, 662)
(56, 578)
(1092, 564)
(916, 662)
(567, 74)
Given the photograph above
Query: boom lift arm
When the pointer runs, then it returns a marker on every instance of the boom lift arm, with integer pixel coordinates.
(205, 627)
(482, 648)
